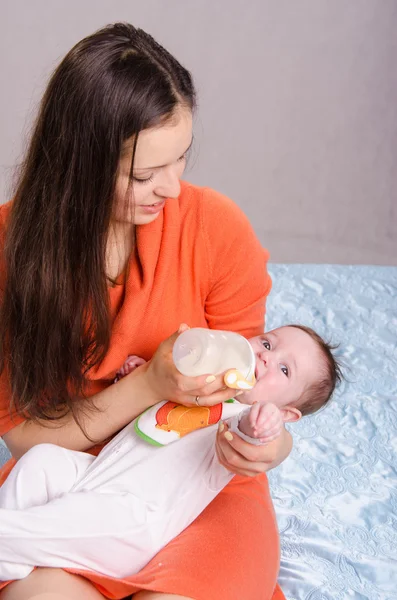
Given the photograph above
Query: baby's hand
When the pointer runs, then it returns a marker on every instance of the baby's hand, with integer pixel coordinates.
(264, 422)
(132, 363)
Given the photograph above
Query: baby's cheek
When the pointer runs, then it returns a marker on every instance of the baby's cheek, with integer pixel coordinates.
(259, 393)
(270, 390)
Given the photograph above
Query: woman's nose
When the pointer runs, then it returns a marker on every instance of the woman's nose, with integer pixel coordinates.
(169, 185)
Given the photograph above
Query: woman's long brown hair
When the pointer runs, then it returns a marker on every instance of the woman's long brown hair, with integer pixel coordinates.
(54, 314)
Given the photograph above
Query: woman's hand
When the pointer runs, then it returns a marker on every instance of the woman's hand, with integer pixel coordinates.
(242, 458)
(168, 384)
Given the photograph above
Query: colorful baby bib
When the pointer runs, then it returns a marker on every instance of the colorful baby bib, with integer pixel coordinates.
(167, 421)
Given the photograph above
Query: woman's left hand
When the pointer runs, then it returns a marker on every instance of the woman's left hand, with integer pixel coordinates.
(242, 458)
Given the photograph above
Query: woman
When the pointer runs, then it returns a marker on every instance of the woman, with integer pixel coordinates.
(105, 253)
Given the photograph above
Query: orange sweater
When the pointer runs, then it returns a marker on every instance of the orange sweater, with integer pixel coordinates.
(199, 263)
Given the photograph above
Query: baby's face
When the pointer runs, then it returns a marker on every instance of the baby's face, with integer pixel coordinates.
(287, 361)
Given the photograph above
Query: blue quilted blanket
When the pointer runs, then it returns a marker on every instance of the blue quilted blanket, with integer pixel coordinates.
(336, 495)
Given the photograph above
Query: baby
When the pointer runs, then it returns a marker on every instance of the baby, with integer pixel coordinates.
(112, 513)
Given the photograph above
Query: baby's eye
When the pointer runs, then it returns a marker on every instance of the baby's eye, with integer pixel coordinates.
(266, 344)
(284, 370)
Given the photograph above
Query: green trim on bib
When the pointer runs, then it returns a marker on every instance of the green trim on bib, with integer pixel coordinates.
(144, 436)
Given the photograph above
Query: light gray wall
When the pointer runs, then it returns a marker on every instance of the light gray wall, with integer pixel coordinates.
(297, 118)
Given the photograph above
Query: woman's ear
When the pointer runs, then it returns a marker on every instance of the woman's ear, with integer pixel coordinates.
(290, 414)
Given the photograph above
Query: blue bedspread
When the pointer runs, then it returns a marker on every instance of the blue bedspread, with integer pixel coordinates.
(336, 495)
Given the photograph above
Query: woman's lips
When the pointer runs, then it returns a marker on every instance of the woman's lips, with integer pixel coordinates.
(152, 209)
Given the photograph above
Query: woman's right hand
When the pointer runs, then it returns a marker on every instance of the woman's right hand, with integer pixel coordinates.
(167, 383)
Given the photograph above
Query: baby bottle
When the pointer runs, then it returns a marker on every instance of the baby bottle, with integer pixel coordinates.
(199, 351)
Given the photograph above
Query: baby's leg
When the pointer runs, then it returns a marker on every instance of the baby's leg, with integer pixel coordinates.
(104, 533)
(117, 533)
(44, 473)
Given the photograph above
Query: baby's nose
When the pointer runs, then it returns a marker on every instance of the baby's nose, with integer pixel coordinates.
(263, 356)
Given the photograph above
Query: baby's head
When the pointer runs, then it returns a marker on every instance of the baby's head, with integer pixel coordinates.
(295, 370)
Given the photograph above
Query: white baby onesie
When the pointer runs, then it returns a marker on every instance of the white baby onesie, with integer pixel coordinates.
(110, 514)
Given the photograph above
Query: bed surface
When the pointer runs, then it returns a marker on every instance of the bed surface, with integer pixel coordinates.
(336, 495)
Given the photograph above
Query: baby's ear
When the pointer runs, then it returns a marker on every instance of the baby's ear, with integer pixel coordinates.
(290, 414)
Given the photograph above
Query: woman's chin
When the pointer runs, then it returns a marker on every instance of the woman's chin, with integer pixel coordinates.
(145, 219)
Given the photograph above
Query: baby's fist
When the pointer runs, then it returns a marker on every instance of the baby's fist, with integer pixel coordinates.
(263, 422)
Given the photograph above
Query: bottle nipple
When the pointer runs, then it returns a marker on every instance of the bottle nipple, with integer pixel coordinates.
(236, 381)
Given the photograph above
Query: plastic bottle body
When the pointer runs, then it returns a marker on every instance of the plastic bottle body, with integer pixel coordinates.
(199, 351)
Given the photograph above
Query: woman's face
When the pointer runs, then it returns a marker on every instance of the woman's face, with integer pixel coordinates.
(160, 158)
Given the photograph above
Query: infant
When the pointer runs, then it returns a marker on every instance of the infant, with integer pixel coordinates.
(113, 513)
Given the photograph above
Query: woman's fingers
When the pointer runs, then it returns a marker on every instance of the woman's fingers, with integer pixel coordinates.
(248, 452)
(205, 401)
(228, 466)
(168, 381)
(237, 455)
(209, 388)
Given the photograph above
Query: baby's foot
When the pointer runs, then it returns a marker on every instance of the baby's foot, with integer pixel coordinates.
(264, 422)
(132, 363)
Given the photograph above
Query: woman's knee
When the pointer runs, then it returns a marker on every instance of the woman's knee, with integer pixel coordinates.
(51, 584)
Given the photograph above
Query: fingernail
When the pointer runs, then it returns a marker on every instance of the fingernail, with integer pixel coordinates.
(210, 379)
(228, 436)
(238, 394)
(221, 426)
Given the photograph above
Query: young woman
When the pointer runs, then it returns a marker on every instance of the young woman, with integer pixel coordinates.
(104, 252)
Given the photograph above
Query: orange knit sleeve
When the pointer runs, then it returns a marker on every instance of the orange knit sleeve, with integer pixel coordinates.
(239, 281)
(8, 419)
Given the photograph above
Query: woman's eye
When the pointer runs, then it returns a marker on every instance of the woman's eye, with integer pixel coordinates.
(284, 370)
(147, 180)
(266, 344)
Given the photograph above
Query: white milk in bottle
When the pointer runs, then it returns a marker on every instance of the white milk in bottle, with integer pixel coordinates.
(200, 351)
